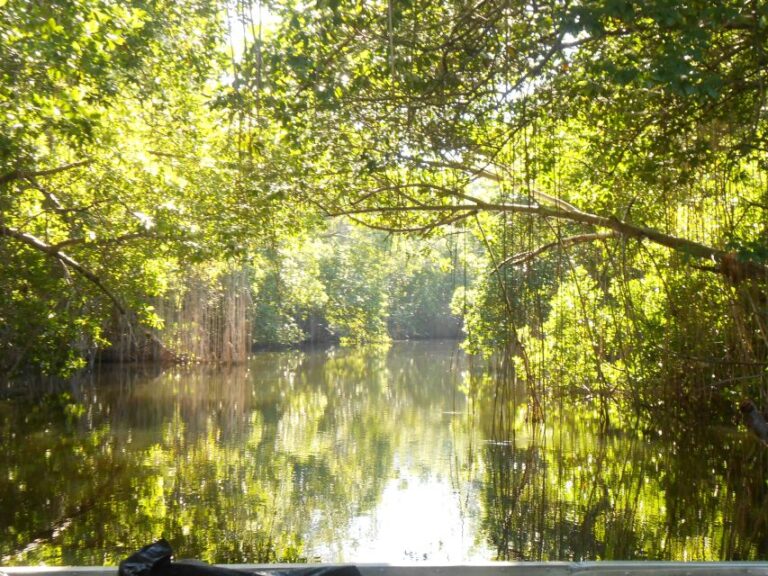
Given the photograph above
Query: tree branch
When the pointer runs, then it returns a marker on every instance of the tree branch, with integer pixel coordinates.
(21, 174)
(53, 252)
(523, 257)
(493, 177)
(66, 260)
(415, 229)
(728, 263)
(99, 241)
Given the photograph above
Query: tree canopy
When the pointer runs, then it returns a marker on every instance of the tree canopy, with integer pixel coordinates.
(609, 114)
(602, 162)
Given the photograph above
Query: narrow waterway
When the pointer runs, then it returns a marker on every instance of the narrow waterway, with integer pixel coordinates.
(395, 454)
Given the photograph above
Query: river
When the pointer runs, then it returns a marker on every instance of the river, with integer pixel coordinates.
(407, 453)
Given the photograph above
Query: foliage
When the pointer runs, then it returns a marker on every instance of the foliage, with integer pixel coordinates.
(599, 152)
(634, 134)
(356, 286)
(585, 181)
(92, 96)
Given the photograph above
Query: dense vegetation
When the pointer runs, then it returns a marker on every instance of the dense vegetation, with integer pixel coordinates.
(173, 177)
(139, 216)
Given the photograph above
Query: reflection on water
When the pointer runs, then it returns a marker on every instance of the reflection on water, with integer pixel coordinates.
(375, 455)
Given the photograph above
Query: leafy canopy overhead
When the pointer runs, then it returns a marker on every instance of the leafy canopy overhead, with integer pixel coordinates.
(141, 138)
(621, 110)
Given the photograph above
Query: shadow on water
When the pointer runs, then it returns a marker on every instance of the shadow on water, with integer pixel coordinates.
(406, 453)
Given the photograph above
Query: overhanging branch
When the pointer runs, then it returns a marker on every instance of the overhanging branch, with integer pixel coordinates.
(22, 174)
(524, 257)
(53, 252)
(728, 263)
(491, 175)
(98, 241)
(414, 229)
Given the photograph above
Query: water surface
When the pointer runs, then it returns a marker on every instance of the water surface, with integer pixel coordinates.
(400, 454)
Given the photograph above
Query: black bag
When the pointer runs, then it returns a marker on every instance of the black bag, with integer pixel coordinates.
(156, 560)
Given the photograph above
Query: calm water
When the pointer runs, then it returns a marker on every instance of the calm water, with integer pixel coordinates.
(378, 455)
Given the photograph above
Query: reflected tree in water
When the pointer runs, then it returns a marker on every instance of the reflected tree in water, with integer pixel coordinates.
(572, 489)
(279, 459)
